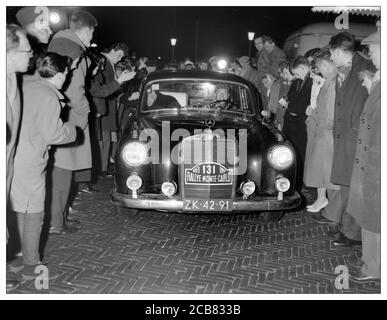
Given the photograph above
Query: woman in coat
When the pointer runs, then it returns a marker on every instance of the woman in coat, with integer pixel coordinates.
(294, 119)
(319, 154)
(41, 127)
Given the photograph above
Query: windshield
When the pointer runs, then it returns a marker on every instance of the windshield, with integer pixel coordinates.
(196, 96)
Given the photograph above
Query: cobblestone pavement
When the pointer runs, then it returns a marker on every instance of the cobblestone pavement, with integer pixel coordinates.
(155, 252)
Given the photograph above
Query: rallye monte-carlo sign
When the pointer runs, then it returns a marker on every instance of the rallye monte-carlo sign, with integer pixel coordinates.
(208, 173)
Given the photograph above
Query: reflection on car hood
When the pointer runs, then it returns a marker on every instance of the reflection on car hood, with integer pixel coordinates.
(192, 122)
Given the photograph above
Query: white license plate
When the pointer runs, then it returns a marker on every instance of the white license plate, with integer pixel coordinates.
(207, 205)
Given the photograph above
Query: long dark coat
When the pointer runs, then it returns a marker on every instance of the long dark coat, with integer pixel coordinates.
(100, 89)
(364, 195)
(109, 120)
(294, 121)
(349, 104)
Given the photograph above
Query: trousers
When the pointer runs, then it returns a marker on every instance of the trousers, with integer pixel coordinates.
(336, 211)
(104, 146)
(61, 184)
(30, 227)
(371, 253)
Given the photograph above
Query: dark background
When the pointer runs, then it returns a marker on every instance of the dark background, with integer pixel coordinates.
(222, 30)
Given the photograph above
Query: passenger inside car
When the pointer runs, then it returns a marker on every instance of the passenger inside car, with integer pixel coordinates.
(157, 100)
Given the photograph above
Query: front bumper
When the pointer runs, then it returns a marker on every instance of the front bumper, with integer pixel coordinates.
(175, 204)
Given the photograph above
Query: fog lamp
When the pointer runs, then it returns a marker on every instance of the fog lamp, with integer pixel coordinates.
(168, 188)
(282, 184)
(134, 182)
(248, 188)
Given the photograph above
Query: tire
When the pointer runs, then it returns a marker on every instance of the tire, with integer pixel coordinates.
(272, 216)
(127, 211)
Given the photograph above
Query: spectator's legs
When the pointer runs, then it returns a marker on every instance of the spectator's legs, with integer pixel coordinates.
(115, 137)
(31, 224)
(334, 210)
(371, 253)
(61, 184)
(349, 226)
(105, 150)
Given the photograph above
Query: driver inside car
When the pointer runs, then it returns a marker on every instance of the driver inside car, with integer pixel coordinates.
(157, 100)
(221, 93)
(222, 98)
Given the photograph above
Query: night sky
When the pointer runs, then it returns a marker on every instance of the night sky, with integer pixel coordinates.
(222, 30)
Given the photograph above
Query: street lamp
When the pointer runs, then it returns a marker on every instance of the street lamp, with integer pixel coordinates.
(173, 43)
(250, 35)
(54, 17)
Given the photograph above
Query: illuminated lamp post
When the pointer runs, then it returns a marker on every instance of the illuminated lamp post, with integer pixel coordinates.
(54, 17)
(250, 35)
(173, 43)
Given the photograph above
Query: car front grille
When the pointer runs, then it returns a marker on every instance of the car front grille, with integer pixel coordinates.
(206, 169)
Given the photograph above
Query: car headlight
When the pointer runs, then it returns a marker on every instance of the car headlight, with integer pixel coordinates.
(134, 154)
(281, 157)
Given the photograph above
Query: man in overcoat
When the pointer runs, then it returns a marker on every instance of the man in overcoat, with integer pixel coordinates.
(349, 104)
(18, 56)
(73, 43)
(364, 195)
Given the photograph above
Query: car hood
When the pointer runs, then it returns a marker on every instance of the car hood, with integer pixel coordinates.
(191, 123)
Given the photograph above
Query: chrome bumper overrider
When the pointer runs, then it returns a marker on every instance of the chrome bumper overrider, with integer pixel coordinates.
(159, 202)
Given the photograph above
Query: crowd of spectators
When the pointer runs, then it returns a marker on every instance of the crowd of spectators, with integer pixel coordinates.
(68, 102)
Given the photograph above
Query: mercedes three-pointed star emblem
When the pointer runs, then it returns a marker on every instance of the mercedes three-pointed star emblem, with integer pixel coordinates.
(210, 123)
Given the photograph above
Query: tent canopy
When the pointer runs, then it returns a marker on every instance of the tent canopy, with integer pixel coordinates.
(367, 11)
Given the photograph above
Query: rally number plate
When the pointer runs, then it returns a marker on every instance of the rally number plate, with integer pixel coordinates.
(207, 205)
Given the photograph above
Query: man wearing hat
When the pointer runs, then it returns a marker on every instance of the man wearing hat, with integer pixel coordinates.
(35, 21)
(364, 195)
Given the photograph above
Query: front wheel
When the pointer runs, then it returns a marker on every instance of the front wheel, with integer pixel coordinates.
(272, 216)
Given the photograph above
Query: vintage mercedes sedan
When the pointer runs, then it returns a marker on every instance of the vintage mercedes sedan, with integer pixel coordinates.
(197, 143)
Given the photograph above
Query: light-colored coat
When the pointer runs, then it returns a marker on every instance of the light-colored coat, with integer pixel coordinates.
(75, 156)
(13, 121)
(319, 150)
(364, 195)
(41, 127)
